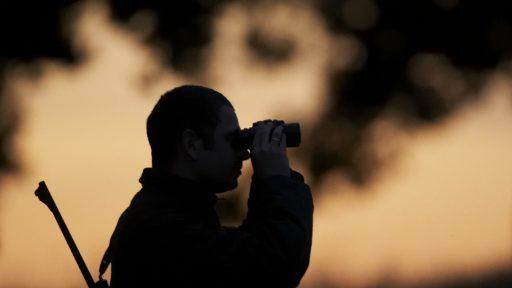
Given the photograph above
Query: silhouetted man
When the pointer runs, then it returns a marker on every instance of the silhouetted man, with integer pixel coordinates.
(170, 234)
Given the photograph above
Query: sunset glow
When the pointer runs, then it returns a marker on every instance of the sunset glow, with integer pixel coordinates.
(441, 206)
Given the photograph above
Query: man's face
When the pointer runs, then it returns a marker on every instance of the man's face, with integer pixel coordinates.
(221, 165)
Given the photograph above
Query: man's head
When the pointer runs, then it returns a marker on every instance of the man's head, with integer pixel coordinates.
(190, 131)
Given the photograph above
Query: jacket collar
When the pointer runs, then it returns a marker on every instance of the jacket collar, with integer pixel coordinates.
(164, 185)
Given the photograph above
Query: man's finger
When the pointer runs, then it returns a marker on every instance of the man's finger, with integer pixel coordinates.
(282, 145)
(265, 137)
(256, 142)
(259, 136)
(258, 123)
(276, 137)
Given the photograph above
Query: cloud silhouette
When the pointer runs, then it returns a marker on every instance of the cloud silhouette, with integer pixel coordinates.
(421, 60)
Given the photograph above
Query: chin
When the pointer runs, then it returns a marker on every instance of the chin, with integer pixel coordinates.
(226, 186)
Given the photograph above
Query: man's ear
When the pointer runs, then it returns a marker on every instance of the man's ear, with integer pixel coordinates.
(191, 143)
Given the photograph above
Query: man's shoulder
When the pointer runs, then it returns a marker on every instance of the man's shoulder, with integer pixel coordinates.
(139, 218)
(148, 220)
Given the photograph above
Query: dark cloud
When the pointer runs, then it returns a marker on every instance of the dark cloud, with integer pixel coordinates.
(182, 28)
(407, 43)
(473, 37)
(30, 30)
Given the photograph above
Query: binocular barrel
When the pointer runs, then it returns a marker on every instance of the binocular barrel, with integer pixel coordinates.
(292, 131)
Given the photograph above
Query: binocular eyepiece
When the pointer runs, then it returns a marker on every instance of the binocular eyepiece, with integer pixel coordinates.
(245, 137)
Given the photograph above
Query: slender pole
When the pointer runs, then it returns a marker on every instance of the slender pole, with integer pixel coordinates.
(44, 195)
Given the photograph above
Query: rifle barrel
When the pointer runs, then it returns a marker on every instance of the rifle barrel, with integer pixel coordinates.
(44, 195)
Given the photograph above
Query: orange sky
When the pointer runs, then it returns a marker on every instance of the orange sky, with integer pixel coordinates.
(444, 204)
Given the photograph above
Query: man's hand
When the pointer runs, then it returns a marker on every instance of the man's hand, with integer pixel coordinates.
(268, 153)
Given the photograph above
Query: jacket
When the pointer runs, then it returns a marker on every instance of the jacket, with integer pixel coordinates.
(170, 236)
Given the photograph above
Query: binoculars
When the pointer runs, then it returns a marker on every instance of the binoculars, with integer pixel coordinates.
(245, 136)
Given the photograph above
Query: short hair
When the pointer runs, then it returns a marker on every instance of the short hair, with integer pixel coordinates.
(185, 107)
